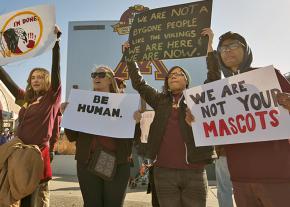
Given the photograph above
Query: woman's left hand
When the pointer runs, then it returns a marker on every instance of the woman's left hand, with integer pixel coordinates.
(189, 118)
(57, 31)
(137, 116)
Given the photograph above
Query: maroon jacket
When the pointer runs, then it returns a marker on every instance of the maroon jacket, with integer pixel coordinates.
(36, 121)
(262, 162)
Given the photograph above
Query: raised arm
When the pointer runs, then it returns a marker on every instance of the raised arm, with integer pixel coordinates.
(55, 70)
(55, 131)
(10, 84)
(148, 93)
(213, 72)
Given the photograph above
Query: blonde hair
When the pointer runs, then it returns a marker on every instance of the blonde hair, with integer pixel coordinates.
(114, 86)
(30, 94)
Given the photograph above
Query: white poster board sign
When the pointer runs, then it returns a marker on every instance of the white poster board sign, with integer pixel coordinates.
(106, 114)
(26, 33)
(239, 109)
(145, 123)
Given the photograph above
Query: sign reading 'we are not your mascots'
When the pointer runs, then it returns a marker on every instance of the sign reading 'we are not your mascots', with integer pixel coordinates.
(239, 109)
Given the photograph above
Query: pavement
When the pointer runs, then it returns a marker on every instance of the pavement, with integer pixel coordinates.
(65, 192)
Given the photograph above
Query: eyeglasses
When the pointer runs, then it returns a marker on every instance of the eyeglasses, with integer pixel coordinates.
(232, 46)
(99, 74)
(170, 75)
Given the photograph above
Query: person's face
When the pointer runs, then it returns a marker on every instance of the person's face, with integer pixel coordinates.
(101, 80)
(232, 53)
(177, 80)
(37, 81)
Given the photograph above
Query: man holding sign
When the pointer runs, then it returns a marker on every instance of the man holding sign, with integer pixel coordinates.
(260, 171)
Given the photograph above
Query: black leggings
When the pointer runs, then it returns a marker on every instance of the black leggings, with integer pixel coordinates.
(98, 192)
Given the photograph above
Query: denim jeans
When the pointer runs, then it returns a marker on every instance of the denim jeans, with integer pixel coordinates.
(224, 184)
(181, 188)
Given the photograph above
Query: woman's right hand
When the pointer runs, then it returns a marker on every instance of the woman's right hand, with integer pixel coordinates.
(137, 116)
(57, 31)
(125, 46)
(63, 107)
(189, 118)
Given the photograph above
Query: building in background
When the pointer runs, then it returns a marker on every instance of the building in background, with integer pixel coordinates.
(92, 43)
(8, 109)
(287, 75)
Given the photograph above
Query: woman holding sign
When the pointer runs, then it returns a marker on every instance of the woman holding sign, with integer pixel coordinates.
(39, 106)
(103, 166)
(179, 168)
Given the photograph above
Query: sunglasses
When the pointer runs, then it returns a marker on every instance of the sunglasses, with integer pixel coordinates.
(99, 74)
(232, 46)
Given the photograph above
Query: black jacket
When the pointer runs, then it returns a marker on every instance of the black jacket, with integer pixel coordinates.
(162, 105)
(84, 142)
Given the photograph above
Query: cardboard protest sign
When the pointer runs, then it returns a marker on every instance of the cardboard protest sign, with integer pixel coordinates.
(145, 123)
(26, 33)
(106, 114)
(239, 109)
(170, 33)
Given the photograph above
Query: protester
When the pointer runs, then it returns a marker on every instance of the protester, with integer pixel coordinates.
(134, 160)
(139, 149)
(5, 137)
(55, 135)
(2, 140)
(260, 171)
(179, 169)
(39, 105)
(96, 189)
(223, 179)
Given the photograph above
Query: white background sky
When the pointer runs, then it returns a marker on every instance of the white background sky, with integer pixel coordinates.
(264, 24)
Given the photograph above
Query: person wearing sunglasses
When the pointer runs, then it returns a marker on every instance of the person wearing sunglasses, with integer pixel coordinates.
(96, 190)
(260, 171)
(179, 166)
